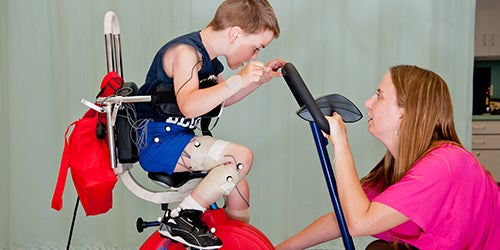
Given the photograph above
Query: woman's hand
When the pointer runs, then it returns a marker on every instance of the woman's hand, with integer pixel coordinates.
(337, 128)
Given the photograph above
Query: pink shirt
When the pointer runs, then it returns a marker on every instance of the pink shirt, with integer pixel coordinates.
(451, 201)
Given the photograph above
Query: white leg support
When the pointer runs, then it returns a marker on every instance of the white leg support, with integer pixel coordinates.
(207, 153)
(220, 181)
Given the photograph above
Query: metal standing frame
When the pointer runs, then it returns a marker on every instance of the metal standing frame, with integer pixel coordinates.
(112, 42)
(111, 105)
(114, 63)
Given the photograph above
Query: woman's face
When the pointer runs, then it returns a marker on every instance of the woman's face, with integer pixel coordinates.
(384, 113)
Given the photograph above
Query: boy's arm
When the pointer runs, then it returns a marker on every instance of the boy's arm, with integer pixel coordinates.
(268, 72)
(182, 62)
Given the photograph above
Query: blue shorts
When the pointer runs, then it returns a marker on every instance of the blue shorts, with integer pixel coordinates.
(165, 143)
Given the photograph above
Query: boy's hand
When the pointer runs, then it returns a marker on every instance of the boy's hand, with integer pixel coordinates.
(255, 71)
(271, 70)
(276, 64)
(252, 72)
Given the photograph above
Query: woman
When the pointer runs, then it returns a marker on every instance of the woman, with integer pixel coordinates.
(428, 191)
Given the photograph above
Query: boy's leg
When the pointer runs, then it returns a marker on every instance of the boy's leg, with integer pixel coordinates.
(235, 161)
(238, 202)
(227, 164)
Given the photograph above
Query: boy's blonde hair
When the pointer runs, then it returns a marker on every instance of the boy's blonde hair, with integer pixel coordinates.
(252, 16)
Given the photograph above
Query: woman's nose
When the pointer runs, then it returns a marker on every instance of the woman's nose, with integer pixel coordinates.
(368, 103)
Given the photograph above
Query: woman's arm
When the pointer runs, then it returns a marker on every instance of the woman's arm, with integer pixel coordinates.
(324, 229)
(362, 216)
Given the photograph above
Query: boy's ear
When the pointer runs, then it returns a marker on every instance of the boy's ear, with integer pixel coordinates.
(234, 32)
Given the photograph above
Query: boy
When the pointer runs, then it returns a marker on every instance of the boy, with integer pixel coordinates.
(182, 68)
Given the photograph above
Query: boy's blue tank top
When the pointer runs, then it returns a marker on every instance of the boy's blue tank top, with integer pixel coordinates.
(157, 76)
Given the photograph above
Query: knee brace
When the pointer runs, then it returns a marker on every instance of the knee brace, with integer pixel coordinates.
(207, 154)
(220, 181)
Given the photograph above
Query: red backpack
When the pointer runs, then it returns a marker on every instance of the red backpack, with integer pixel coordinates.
(86, 153)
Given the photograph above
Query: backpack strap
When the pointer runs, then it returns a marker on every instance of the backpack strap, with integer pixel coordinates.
(57, 201)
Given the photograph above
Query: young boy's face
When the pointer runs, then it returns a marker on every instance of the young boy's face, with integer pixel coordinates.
(247, 47)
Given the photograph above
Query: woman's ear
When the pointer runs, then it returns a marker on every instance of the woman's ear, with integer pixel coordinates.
(401, 113)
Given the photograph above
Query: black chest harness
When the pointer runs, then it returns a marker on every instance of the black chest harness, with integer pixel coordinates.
(165, 104)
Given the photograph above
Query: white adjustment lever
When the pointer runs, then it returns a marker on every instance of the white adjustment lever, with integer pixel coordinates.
(92, 106)
(115, 113)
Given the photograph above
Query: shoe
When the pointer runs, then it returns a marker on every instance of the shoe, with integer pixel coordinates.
(190, 230)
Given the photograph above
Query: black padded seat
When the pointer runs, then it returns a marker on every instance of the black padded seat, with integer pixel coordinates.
(176, 179)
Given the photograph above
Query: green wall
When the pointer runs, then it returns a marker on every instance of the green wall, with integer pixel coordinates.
(52, 56)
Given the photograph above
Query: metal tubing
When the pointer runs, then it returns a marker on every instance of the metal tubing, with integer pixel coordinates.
(117, 54)
(109, 52)
(111, 136)
(112, 40)
(321, 143)
(124, 99)
(303, 97)
(113, 62)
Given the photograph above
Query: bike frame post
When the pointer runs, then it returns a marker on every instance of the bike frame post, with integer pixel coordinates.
(321, 143)
(304, 98)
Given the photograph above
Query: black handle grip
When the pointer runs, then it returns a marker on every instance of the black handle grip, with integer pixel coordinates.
(303, 96)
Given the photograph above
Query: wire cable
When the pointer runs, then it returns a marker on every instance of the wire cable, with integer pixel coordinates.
(191, 77)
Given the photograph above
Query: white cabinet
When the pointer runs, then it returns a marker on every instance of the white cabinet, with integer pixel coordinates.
(487, 29)
(486, 145)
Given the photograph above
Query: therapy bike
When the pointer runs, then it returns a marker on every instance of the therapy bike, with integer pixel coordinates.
(121, 134)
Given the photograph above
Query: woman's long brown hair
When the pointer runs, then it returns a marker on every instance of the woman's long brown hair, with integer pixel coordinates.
(426, 123)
